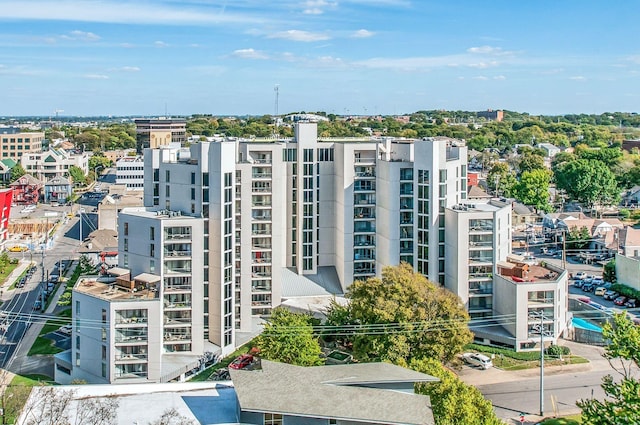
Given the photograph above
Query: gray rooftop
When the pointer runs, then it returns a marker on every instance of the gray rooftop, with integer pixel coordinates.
(361, 392)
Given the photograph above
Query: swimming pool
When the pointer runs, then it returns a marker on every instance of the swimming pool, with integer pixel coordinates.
(583, 324)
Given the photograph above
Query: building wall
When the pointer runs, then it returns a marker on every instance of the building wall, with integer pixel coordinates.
(6, 197)
(628, 271)
(130, 172)
(16, 145)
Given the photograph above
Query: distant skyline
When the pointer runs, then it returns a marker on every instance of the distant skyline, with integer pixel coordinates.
(359, 57)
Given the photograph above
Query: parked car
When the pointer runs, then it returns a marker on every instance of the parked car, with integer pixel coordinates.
(632, 303)
(578, 283)
(620, 300)
(580, 275)
(610, 295)
(600, 291)
(37, 305)
(66, 329)
(242, 362)
(587, 287)
(476, 359)
(18, 248)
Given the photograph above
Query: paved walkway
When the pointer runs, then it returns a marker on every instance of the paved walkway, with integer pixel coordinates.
(13, 276)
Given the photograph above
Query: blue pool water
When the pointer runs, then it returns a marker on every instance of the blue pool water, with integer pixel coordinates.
(583, 324)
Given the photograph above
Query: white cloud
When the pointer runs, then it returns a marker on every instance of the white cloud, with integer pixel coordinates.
(480, 77)
(123, 12)
(500, 77)
(127, 45)
(298, 35)
(362, 34)
(578, 78)
(127, 69)
(96, 76)
(250, 54)
(489, 50)
(483, 65)
(160, 44)
(81, 36)
(317, 7)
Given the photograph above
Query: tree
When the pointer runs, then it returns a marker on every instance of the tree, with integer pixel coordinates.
(4, 261)
(99, 160)
(77, 175)
(588, 181)
(16, 172)
(623, 394)
(172, 417)
(501, 179)
(453, 401)
(533, 189)
(609, 272)
(402, 316)
(578, 238)
(529, 161)
(50, 407)
(288, 337)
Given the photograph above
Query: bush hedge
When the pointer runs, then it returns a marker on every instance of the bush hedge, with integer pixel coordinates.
(554, 350)
(625, 290)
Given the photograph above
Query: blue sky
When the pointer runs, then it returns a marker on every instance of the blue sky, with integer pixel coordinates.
(118, 57)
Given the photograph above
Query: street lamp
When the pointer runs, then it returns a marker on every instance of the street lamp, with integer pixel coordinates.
(95, 172)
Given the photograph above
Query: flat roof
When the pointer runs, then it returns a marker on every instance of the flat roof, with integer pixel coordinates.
(109, 291)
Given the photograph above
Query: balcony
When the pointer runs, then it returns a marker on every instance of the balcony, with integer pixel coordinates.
(173, 253)
(177, 322)
(406, 233)
(406, 204)
(363, 242)
(364, 227)
(263, 259)
(131, 358)
(364, 186)
(176, 337)
(130, 338)
(261, 217)
(169, 236)
(132, 321)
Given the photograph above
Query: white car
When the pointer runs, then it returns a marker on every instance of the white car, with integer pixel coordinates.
(477, 359)
(580, 276)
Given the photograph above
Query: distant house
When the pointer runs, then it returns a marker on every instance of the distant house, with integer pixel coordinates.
(524, 216)
(57, 189)
(476, 192)
(101, 247)
(629, 242)
(26, 190)
(550, 149)
(5, 169)
(631, 196)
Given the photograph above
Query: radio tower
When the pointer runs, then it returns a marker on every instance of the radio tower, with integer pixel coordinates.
(277, 93)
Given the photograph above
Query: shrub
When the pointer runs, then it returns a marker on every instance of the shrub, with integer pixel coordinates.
(557, 350)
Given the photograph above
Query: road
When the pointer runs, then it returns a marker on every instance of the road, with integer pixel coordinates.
(523, 395)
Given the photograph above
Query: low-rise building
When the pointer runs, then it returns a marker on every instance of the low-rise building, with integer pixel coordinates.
(57, 189)
(26, 190)
(53, 163)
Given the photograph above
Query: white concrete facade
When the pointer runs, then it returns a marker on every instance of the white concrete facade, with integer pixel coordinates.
(130, 172)
(53, 163)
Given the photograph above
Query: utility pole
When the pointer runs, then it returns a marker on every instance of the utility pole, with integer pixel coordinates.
(43, 282)
(541, 363)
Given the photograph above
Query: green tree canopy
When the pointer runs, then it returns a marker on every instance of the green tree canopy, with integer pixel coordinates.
(403, 316)
(533, 189)
(588, 181)
(501, 179)
(288, 337)
(530, 160)
(453, 401)
(623, 393)
(16, 172)
(77, 175)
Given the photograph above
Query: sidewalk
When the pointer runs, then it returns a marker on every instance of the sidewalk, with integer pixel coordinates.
(15, 274)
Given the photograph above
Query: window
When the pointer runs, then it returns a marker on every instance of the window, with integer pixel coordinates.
(126, 245)
(104, 352)
(152, 233)
(104, 316)
(272, 419)
(193, 193)
(152, 250)
(205, 179)
(77, 307)
(193, 178)
(78, 361)
(104, 370)
(126, 229)
(167, 176)
(167, 191)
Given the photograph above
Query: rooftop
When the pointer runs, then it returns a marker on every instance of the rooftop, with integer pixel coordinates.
(107, 289)
(520, 270)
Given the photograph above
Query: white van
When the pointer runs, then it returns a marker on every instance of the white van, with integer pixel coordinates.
(479, 360)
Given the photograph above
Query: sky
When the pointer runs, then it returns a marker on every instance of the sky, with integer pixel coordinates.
(347, 57)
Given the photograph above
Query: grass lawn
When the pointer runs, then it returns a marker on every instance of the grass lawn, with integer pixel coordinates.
(44, 345)
(567, 420)
(17, 393)
(507, 363)
(7, 271)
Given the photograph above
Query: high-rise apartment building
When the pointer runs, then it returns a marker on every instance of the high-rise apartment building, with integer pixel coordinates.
(155, 132)
(255, 217)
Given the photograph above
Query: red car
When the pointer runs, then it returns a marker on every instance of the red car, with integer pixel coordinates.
(241, 362)
(620, 300)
